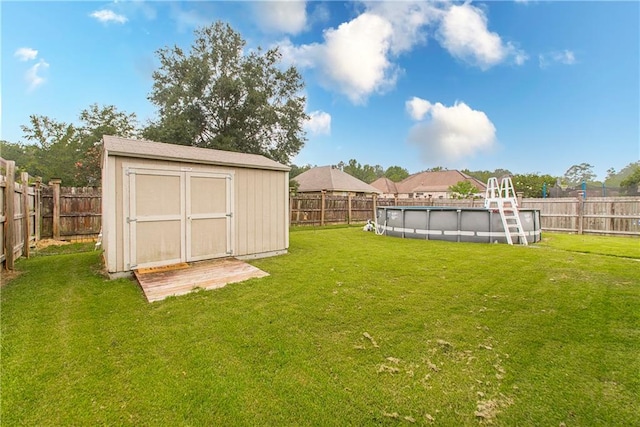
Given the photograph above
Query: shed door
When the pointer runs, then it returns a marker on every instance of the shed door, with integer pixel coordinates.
(178, 216)
(156, 217)
(208, 216)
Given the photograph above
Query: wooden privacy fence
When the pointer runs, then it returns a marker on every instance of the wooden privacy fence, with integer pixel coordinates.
(325, 209)
(29, 212)
(596, 215)
(71, 213)
(19, 214)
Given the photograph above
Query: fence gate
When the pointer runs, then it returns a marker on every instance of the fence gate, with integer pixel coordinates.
(176, 216)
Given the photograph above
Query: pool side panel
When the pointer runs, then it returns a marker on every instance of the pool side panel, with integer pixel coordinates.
(450, 224)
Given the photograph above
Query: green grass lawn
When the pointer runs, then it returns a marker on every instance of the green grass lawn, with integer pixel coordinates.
(349, 329)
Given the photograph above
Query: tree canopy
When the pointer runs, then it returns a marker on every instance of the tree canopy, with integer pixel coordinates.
(576, 174)
(396, 173)
(70, 152)
(615, 179)
(484, 175)
(365, 173)
(463, 190)
(531, 184)
(56, 151)
(631, 183)
(219, 96)
(95, 122)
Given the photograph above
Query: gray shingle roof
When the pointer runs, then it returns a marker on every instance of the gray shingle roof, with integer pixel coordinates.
(162, 151)
(385, 185)
(436, 181)
(330, 179)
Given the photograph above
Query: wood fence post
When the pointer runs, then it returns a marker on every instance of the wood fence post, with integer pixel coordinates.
(10, 212)
(349, 207)
(375, 199)
(56, 208)
(38, 207)
(322, 208)
(290, 208)
(580, 209)
(26, 229)
(298, 210)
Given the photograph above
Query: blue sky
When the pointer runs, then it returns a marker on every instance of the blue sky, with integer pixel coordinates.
(533, 87)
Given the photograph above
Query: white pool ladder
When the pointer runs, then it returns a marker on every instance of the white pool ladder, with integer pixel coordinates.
(503, 198)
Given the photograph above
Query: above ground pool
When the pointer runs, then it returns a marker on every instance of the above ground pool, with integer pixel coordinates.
(453, 224)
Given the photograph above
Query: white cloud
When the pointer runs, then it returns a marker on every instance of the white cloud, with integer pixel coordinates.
(26, 54)
(564, 57)
(302, 56)
(451, 133)
(417, 107)
(187, 19)
(408, 20)
(281, 16)
(464, 33)
(319, 123)
(355, 57)
(107, 16)
(319, 14)
(520, 57)
(358, 58)
(34, 77)
(352, 59)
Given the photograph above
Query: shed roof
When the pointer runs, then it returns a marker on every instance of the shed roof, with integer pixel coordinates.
(145, 149)
(331, 179)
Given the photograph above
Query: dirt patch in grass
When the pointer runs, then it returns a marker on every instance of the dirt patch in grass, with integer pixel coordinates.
(7, 276)
(488, 409)
(45, 243)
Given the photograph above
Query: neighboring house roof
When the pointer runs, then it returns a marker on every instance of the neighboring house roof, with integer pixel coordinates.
(162, 151)
(439, 181)
(330, 179)
(385, 185)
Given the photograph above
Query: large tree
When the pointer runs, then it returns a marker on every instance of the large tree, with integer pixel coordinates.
(396, 173)
(577, 174)
(297, 170)
(531, 185)
(58, 149)
(484, 175)
(23, 154)
(218, 95)
(366, 173)
(463, 190)
(631, 184)
(69, 151)
(614, 179)
(95, 122)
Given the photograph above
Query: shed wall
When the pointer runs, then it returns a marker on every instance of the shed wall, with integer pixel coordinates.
(260, 214)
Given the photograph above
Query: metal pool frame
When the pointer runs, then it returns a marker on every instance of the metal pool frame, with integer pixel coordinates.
(453, 224)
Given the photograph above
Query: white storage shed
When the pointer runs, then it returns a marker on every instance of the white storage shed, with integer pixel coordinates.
(164, 204)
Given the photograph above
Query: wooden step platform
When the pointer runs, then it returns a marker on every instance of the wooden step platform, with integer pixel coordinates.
(179, 279)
